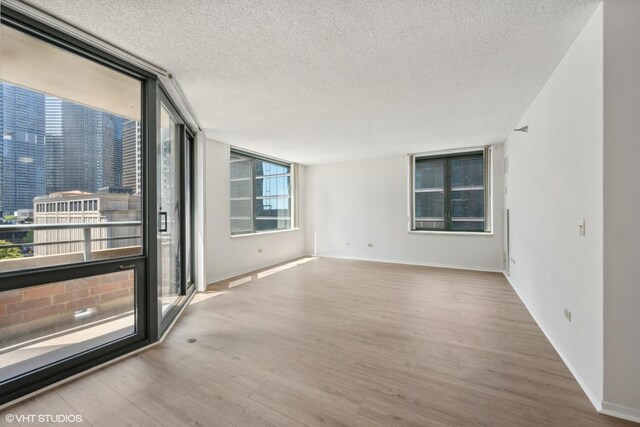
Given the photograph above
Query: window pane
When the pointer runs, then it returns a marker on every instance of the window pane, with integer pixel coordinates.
(260, 195)
(467, 210)
(273, 202)
(265, 168)
(70, 163)
(241, 189)
(467, 194)
(43, 324)
(263, 224)
(430, 210)
(467, 172)
(241, 225)
(240, 167)
(429, 174)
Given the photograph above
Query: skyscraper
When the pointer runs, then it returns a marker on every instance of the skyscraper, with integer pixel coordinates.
(84, 147)
(23, 147)
(131, 156)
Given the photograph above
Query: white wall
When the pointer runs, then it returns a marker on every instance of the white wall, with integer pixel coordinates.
(621, 208)
(366, 201)
(555, 178)
(228, 256)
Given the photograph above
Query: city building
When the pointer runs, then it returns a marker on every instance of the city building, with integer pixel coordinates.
(78, 207)
(131, 156)
(23, 147)
(84, 147)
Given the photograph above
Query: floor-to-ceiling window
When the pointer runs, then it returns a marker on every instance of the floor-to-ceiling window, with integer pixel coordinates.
(91, 235)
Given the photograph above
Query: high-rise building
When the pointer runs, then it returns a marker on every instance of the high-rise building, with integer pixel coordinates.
(131, 156)
(84, 147)
(23, 147)
(81, 207)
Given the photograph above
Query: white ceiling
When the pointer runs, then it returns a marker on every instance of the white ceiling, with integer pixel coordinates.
(317, 81)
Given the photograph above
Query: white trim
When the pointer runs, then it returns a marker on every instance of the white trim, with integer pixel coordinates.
(260, 233)
(463, 150)
(394, 261)
(254, 268)
(453, 233)
(233, 149)
(620, 411)
(592, 394)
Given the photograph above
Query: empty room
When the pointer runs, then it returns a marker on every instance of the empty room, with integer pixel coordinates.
(319, 213)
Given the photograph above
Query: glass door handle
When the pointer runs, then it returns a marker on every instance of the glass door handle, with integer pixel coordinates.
(163, 221)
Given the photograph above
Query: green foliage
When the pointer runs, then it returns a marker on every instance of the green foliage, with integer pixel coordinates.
(28, 238)
(10, 217)
(7, 253)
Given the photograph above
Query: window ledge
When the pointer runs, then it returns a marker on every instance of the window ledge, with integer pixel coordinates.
(238, 236)
(453, 233)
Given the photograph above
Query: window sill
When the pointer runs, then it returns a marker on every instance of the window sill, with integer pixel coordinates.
(261, 233)
(453, 233)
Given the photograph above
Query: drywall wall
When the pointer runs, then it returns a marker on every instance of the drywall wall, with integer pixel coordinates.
(228, 256)
(554, 180)
(621, 208)
(353, 204)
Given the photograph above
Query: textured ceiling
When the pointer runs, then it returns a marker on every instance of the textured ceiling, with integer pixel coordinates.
(318, 81)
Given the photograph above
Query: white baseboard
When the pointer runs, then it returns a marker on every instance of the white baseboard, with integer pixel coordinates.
(592, 394)
(620, 411)
(395, 261)
(252, 268)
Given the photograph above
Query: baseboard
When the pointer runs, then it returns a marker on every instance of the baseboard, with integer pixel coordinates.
(251, 269)
(620, 411)
(394, 261)
(592, 394)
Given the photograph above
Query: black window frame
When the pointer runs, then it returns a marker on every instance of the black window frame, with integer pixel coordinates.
(483, 153)
(253, 157)
(148, 328)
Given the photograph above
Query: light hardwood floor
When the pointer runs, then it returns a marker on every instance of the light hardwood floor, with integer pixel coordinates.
(338, 342)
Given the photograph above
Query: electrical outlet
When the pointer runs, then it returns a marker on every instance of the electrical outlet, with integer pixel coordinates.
(259, 250)
(370, 245)
(348, 243)
(567, 314)
(513, 261)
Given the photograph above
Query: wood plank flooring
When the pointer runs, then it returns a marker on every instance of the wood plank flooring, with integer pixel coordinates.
(333, 342)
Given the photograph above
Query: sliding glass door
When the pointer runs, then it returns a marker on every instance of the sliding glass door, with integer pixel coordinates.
(174, 145)
(169, 235)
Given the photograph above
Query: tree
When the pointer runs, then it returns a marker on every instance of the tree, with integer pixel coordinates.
(8, 253)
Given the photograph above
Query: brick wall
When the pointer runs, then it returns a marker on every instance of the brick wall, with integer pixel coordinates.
(39, 310)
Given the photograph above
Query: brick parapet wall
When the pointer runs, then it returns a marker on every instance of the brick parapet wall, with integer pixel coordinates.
(52, 308)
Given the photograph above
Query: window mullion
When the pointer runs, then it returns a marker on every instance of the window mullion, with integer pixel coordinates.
(254, 204)
(447, 195)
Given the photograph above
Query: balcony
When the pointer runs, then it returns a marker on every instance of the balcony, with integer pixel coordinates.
(52, 321)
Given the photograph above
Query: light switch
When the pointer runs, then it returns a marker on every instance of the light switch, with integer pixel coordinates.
(581, 227)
